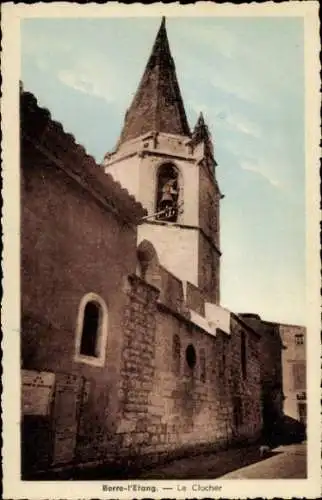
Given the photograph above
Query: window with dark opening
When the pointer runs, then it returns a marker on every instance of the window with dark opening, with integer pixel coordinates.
(243, 355)
(237, 411)
(191, 357)
(299, 339)
(301, 408)
(223, 363)
(89, 338)
(299, 376)
(202, 365)
(176, 354)
(167, 193)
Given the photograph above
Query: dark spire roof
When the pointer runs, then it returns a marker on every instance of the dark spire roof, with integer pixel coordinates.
(157, 105)
(201, 134)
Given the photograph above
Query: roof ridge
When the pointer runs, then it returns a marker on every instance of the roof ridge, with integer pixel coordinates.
(50, 135)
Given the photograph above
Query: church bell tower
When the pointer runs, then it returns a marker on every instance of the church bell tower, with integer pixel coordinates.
(171, 171)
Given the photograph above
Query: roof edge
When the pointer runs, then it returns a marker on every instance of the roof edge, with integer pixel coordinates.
(48, 135)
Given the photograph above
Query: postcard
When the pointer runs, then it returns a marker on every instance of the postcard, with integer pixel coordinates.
(161, 250)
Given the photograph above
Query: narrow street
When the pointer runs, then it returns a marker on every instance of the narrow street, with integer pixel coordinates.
(287, 462)
(281, 463)
(284, 462)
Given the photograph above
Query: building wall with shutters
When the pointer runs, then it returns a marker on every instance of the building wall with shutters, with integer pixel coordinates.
(294, 370)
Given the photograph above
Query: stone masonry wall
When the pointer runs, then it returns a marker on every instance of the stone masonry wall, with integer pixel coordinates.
(166, 407)
(134, 430)
(70, 246)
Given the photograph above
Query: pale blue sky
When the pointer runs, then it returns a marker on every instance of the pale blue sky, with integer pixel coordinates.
(247, 76)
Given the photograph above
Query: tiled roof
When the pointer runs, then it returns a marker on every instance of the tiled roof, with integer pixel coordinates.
(48, 136)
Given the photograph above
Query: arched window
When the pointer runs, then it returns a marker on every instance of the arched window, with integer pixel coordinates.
(167, 193)
(191, 357)
(243, 354)
(91, 330)
(176, 354)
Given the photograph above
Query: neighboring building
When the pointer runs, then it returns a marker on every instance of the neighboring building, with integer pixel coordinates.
(283, 376)
(294, 371)
(271, 348)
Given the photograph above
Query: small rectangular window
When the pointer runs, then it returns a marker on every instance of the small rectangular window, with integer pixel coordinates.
(301, 396)
(301, 408)
(176, 354)
(223, 363)
(202, 365)
(237, 411)
(243, 355)
(299, 339)
(299, 376)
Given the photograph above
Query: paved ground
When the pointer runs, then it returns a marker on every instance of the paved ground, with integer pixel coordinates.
(282, 462)
(288, 462)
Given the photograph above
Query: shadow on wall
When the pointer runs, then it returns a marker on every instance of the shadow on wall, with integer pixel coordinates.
(209, 465)
(286, 430)
(291, 431)
(36, 442)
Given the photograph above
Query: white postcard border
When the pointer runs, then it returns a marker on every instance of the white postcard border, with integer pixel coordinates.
(14, 488)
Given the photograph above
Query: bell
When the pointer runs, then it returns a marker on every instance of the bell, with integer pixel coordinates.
(166, 197)
(169, 191)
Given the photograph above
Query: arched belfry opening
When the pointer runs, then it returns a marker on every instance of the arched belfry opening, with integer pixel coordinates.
(167, 194)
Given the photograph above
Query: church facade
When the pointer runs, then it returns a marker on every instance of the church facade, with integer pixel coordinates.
(127, 355)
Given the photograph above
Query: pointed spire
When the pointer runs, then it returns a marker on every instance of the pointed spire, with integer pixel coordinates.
(161, 47)
(201, 134)
(201, 119)
(157, 105)
(200, 131)
(200, 125)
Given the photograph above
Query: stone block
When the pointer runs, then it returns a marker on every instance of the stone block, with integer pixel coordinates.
(155, 439)
(140, 437)
(157, 411)
(127, 441)
(141, 426)
(126, 426)
(148, 449)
